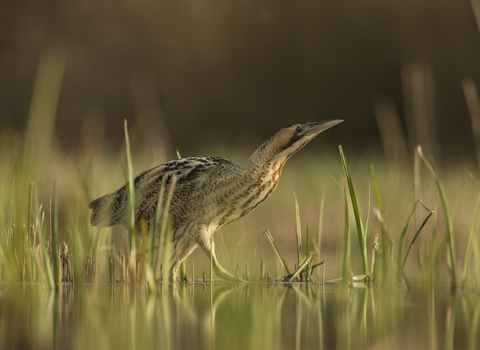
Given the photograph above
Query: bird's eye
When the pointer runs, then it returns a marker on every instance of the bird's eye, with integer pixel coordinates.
(299, 129)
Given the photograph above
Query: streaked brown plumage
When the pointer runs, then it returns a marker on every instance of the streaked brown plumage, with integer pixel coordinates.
(210, 192)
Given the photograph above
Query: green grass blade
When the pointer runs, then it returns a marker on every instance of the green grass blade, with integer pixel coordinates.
(346, 245)
(43, 244)
(158, 215)
(30, 212)
(275, 248)
(368, 214)
(377, 192)
(448, 218)
(360, 233)
(308, 271)
(165, 239)
(387, 266)
(320, 224)
(307, 248)
(298, 232)
(130, 195)
(54, 216)
(472, 237)
(153, 237)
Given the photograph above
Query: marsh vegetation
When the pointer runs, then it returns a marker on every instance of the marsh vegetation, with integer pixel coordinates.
(397, 235)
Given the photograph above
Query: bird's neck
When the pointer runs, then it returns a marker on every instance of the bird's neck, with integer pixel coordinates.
(267, 154)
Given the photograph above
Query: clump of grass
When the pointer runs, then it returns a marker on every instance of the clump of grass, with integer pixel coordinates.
(305, 263)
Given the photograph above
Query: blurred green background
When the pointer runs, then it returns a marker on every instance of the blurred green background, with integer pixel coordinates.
(235, 72)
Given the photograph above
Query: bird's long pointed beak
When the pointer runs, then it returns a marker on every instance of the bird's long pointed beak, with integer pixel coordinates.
(318, 127)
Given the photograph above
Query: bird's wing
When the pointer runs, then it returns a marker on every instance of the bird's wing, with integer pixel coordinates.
(190, 173)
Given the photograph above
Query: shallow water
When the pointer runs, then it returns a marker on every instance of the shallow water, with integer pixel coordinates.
(227, 316)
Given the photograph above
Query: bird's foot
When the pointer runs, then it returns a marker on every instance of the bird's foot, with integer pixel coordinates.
(224, 274)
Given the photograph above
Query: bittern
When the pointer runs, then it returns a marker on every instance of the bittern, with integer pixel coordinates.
(209, 192)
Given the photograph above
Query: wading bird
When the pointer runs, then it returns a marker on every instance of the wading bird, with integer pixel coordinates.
(209, 192)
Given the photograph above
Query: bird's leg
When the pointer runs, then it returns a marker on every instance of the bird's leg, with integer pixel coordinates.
(208, 246)
(183, 251)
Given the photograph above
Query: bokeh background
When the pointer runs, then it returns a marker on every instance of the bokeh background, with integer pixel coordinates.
(235, 72)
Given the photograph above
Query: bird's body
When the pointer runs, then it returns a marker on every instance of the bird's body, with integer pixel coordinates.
(209, 192)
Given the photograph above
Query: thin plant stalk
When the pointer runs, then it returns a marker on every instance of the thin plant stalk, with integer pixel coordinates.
(165, 238)
(346, 245)
(361, 235)
(152, 238)
(130, 197)
(472, 237)
(386, 240)
(298, 232)
(308, 270)
(320, 226)
(448, 218)
(30, 212)
(43, 244)
(54, 215)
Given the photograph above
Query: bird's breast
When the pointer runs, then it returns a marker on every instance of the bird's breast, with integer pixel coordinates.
(249, 195)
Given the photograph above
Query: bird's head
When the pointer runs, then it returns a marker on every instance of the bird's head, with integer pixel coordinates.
(292, 138)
